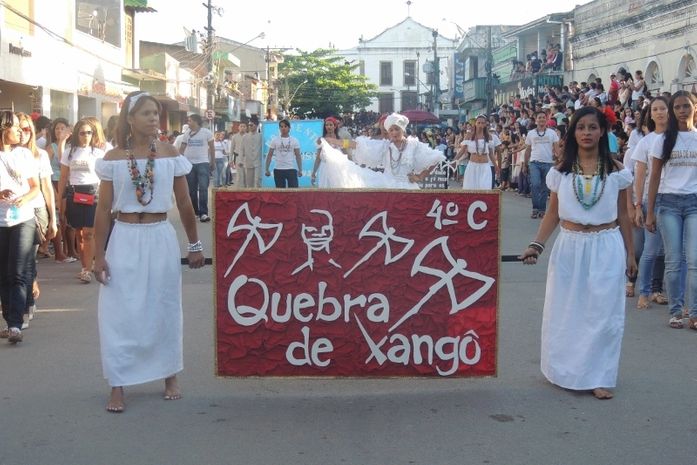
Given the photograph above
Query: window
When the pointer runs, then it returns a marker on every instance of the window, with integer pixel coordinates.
(471, 67)
(99, 18)
(410, 73)
(385, 73)
(361, 67)
(688, 69)
(653, 75)
(16, 22)
(409, 100)
(386, 102)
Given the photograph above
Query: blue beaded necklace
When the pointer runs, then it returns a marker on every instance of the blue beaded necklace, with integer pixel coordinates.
(582, 188)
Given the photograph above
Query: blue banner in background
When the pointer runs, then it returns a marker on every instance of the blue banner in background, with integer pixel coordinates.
(307, 131)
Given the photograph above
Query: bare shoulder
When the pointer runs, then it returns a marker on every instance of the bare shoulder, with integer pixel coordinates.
(166, 150)
(115, 154)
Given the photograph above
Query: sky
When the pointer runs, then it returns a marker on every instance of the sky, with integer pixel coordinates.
(308, 25)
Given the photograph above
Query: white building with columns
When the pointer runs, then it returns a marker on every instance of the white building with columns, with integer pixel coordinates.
(399, 60)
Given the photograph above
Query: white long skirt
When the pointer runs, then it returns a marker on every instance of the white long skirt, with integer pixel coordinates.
(477, 177)
(583, 319)
(140, 309)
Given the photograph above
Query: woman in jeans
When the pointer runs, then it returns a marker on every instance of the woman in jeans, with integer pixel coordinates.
(78, 187)
(672, 202)
(18, 186)
(44, 206)
(651, 264)
(64, 241)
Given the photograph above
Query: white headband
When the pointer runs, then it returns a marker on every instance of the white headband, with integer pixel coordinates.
(395, 119)
(134, 99)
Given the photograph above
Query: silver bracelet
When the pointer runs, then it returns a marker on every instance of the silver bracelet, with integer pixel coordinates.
(195, 247)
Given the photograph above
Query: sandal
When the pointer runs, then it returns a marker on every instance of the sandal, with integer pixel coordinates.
(643, 303)
(675, 323)
(692, 324)
(659, 298)
(629, 290)
(85, 276)
(534, 215)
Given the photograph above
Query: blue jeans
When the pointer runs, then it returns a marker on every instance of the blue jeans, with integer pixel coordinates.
(653, 248)
(538, 185)
(199, 178)
(16, 248)
(676, 216)
(220, 172)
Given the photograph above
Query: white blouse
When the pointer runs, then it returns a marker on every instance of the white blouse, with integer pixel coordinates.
(604, 211)
(124, 197)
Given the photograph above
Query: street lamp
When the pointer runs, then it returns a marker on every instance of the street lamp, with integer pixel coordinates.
(290, 99)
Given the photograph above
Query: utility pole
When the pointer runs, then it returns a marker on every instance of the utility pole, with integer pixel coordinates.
(489, 79)
(418, 81)
(436, 73)
(209, 56)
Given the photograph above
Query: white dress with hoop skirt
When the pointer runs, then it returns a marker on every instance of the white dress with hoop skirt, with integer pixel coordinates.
(140, 309)
(583, 317)
(337, 171)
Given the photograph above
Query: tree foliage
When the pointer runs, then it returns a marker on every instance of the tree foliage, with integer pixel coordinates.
(320, 84)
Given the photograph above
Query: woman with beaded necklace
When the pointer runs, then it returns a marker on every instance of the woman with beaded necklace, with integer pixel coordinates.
(406, 161)
(583, 317)
(140, 309)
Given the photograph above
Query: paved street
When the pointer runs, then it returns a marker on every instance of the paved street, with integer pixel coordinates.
(52, 394)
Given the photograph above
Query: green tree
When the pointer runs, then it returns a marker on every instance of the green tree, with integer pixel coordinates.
(320, 84)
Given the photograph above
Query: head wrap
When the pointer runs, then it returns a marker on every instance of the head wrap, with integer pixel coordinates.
(332, 119)
(134, 99)
(395, 119)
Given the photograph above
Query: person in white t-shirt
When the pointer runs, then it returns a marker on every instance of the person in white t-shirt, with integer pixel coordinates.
(542, 147)
(672, 202)
(19, 184)
(289, 164)
(220, 158)
(199, 149)
(80, 182)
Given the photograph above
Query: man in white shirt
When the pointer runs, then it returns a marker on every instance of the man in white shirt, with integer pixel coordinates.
(541, 148)
(286, 149)
(199, 149)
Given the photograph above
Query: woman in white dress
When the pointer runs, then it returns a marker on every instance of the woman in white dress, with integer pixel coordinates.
(405, 160)
(140, 309)
(583, 317)
(479, 149)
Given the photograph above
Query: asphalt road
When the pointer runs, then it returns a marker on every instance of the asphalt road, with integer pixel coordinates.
(52, 394)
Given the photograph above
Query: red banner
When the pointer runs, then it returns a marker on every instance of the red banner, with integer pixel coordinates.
(356, 283)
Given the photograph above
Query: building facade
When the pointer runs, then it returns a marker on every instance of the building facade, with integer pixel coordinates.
(400, 61)
(656, 37)
(68, 61)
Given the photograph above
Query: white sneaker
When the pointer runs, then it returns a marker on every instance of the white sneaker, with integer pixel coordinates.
(25, 322)
(31, 312)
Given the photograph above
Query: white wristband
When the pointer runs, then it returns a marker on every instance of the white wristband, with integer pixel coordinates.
(195, 247)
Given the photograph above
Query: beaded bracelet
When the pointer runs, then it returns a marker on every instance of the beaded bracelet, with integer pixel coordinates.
(539, 247)
(195, 247)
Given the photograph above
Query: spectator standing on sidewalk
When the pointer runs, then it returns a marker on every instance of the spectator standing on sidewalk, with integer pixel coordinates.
(198, 148)
(78, 189)
(542, 148)
(19, 184)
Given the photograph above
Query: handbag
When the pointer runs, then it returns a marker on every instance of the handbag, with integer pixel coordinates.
(81, 198)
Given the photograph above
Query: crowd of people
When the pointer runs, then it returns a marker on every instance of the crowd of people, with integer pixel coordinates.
(616, 169)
